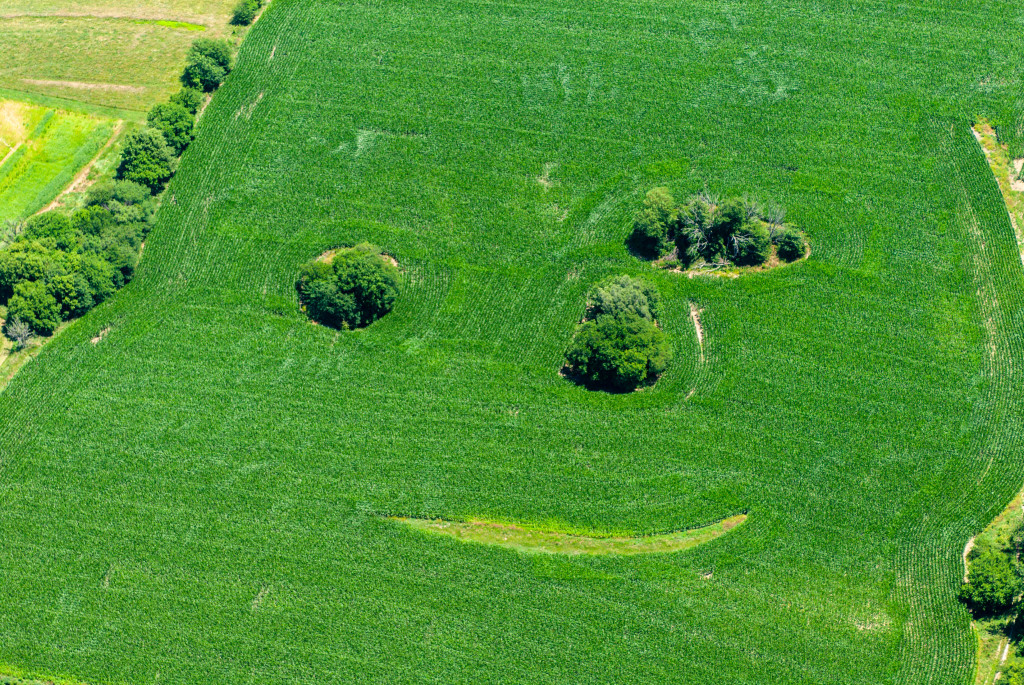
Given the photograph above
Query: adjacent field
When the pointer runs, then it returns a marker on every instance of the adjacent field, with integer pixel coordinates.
(200, 496)
(38, 166)
(103, 52)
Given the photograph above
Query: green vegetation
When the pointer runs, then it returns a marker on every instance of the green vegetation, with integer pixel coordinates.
(189, 98)
(43, 158)
(203, 493)
(705, 231)
(619, 345)
(245, 12)
(207, 64)
(147, 159)
(60, 267)
(348, 287)
(527, 539)
(175, 123)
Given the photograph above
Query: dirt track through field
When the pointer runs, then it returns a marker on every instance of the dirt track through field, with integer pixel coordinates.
(79, 180)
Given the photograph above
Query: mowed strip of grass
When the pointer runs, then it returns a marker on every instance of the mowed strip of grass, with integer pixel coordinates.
(201, 496)
(121, 63)
(47, 159)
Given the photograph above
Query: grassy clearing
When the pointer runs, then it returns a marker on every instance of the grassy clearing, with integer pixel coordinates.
(47, 158)
(529, 539)
(216, 449)
(114, 62)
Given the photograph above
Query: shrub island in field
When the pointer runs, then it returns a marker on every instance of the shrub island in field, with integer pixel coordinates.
(706, 232)
(618, 346)
(348, 288)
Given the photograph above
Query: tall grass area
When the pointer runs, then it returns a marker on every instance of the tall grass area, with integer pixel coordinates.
(199, 496)
(57, 147)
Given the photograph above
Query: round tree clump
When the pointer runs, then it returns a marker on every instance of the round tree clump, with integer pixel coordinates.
(619, 347)
(993, 582)
(349, 288)
(790, 244)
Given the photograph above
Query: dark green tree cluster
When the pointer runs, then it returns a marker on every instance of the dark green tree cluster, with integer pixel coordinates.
(994, 577)
(60, 266)
(245, 12)
(352, 289)
(207, 64)
(704, 230)
(619, 346)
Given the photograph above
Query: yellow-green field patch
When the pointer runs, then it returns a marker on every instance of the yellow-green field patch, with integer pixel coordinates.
(46, 159)
(528, 539)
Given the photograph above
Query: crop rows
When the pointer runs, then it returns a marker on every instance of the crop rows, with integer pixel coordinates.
(201, 497)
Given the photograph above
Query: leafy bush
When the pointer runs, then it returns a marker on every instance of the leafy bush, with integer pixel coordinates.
(624, 295)
(51, 226)
(750, 244)
(1012, 673)
(993, 581)
(619, 347)
(189, 98)
(353, 289)
(146, 159)
(790, 243)
(654, 225)
(245, 12)
(699, 235)
(175, 123)
(207, 64)
(34, 304)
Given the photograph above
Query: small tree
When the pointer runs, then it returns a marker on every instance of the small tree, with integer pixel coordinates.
(202, 73)
(619, 352)
(654, 225)
(175, 123)
(219, 51)
(245, 12)
(19, 332)
(146, 159)
(33, 303)
(790, 243)
(189, 98)
(354, 289)
(1012, 673)
(622, 295)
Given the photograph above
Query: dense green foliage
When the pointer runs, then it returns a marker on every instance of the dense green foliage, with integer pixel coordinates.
(994, 580)
(245, 12)
(654, 226)
(1012, 673)
(207, 64)
(189, 98)
(203, 493)
(705, 231)
(146, 159)
(60, 267)
(352, 289)
(175, 123)
(619, 347)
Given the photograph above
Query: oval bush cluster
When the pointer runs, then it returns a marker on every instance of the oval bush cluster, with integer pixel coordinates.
(707, 231)
(618, 346)
(348, 288)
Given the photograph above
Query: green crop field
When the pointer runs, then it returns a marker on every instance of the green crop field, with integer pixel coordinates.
(47, 149)
(202, 493)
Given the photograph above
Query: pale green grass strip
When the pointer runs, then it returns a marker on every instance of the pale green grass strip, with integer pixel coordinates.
(527, 539)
